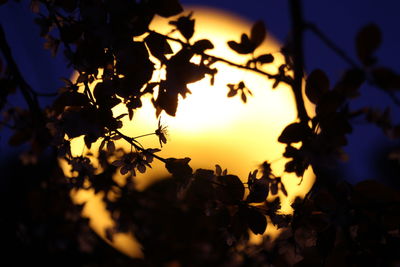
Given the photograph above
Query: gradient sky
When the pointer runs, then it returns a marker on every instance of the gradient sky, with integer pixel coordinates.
(340, 20)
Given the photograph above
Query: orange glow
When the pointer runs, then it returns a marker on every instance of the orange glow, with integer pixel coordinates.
(209, 127)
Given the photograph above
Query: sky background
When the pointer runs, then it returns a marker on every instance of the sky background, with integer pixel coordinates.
(340, 20)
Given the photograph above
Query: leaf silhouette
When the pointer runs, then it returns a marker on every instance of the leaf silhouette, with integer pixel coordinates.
(368, 40)
(258, 33)
(256, 220)
(294, 133)
(240, 88)
(231, 189)
(158, 46)
(244, 47)
(317, 84)
(133, 61)
(258, 191)
(350, 82)
(386, 78)
(179, 167)
(248, 44)
(201, 45)
(265, 59)
(166, 8)
(329, 103)
(166, 100)
(180, 72)
(185, 25)
(70, 99)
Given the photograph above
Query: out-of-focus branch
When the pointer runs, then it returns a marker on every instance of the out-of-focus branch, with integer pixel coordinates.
(329, 43)
(336, 49)
(298, 57)
(25, 88)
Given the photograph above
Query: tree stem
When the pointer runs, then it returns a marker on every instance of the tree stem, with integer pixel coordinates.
(298, 57)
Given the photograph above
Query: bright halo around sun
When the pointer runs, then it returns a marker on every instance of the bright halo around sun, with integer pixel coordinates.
(209, 127)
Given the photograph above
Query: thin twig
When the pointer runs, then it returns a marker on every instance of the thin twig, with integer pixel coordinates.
(136, 146)
(41, 94)
(329, 43)
(143, 135)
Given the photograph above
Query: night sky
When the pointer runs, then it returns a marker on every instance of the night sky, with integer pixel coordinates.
(340, 20)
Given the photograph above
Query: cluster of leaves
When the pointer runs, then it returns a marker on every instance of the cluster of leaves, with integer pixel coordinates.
(325, 134)
(205, 212)
(200, 217)
(339, 225)
(234, 89)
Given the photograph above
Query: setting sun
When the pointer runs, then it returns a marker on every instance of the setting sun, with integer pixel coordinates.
(209, 127)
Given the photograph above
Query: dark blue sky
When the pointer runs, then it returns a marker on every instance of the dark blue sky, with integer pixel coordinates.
(340, 20)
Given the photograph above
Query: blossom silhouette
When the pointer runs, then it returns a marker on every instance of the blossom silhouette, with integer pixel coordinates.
(135, 160)
(161, 132)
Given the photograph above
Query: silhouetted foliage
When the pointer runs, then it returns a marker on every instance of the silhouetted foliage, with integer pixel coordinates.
(196, 217)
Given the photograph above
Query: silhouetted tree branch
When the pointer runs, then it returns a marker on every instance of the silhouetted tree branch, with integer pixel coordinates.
(298, 58)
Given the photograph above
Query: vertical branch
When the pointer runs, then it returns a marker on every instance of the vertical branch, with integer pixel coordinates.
(298, 57)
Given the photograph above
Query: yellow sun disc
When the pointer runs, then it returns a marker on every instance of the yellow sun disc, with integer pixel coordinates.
(209, 127)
